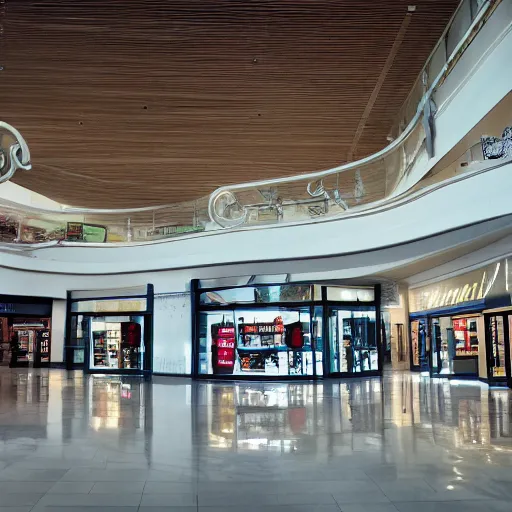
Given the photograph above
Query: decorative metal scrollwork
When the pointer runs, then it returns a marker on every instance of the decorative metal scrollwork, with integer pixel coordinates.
(16, 155)
(317, 189)
(495, 147)
(226, 211)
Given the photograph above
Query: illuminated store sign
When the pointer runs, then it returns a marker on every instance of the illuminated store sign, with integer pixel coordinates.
(490, 281)
(26, 309)
(109, 306)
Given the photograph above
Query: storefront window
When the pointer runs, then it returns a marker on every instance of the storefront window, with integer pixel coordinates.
(353, 338)
(273, 341)
(25, 341)
(454, 345)
(386, 332)
(497, 340)
(350, 294)
(109, 306)
(258, 294)
(443, 346)
(79, 335)
(115, 342)
(509, 319)
(420, 347)
(466, 336)
(317, 337)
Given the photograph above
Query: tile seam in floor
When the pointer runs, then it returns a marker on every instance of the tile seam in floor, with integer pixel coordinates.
(336, 501)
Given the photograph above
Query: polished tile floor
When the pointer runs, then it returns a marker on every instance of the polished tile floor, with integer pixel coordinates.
(70, 442)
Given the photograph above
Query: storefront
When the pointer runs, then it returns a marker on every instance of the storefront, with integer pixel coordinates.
(450, 332)
(110, 331)
(286, 331)
(498, 328)
(25, 331)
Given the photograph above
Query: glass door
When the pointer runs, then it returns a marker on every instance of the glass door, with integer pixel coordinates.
(115, 343)
(420, 349)
(317, 340)
(498, 347)
(353, 340)
(509, 322)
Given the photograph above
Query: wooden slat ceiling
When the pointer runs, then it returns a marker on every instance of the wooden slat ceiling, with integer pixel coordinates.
(129, 103)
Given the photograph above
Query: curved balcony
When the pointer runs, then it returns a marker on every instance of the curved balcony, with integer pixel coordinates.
(380, 179)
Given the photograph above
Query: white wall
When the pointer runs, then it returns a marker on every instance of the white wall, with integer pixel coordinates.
(12, 193)
(58, 331)
(482, 353)
(172, 334)
(400, 315)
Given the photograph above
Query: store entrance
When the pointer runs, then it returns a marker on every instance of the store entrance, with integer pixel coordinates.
(353, 340)
(111, 343)
(25, 342)
(499, 351)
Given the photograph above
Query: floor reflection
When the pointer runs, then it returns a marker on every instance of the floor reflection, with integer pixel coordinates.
(446, 433)
(280, 417)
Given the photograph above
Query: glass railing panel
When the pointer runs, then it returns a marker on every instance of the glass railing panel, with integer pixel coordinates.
(459, 26)
(169, 222)
(117, 227)
(37, 228)
(320, 196)
(436, 62)
(10, 226)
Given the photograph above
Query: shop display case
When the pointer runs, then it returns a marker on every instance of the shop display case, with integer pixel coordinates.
(266, 332)
(261, 348)
(113, 340)
(115, 345)
(454, 345)
(353, 338)
(130, 341)
(466, 336)
(99, 347)
(26, 347)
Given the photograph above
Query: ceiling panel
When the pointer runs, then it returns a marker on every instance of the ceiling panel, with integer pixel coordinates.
(129, 104)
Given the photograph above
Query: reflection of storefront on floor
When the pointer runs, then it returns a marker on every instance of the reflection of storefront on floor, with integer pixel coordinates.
(278, 331)
(25, 331)
(110, 334)
(290, 417)
(448, 335)
(116, 402)
(269, 417)
(445, 344)
(29, 409)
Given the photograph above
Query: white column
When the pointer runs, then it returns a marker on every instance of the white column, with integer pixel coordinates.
(58, 331)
